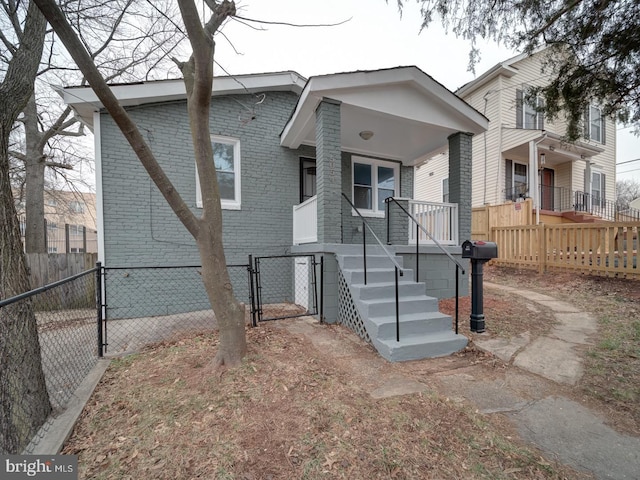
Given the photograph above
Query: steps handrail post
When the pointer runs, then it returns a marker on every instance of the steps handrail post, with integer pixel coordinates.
(457, 295)
(417, 252)
(397, 310)
(364, 250)
(388, 207)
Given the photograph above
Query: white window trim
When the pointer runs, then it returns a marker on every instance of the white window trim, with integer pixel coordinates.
(375, 213)
(446, 179)
(226, 204)
(602, 120)
(525, 105)
(513, 176)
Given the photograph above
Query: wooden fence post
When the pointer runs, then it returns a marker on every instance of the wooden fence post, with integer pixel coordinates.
(542, 248)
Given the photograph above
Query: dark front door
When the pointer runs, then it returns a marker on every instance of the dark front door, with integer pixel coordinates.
(546, 189)
(307, 178)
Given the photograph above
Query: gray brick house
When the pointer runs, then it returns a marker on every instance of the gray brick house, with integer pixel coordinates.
(286, 150)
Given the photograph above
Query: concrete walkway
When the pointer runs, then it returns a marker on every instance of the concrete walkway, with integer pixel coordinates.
(527, 395)
(561, 427)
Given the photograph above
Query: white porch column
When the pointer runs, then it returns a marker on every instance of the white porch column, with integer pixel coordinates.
(534, 191)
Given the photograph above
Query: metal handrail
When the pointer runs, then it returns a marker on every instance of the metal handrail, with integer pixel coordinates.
(399, 271)
(459, 267)
(364, 223)
(438, 244)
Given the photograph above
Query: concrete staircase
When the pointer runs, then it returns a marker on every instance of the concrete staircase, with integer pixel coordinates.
(424, 331)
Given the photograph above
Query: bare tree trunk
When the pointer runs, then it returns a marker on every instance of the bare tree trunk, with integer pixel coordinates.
(24, 402)
(207, 230)
(34, 236)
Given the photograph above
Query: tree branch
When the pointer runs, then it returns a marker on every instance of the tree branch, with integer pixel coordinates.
(118, 113)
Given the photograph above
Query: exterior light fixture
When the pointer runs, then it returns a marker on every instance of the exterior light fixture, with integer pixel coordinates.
(543, 158)
(366, 134)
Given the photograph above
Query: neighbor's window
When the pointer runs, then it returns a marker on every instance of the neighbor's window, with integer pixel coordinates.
(76, 206)
(598, 188)
(373, 182)
(527, 114)
(516, 180)
(226, 155)
(594, 124)
(445, 190)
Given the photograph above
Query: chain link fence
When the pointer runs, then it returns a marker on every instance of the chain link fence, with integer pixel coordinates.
(146, 305)
(64, 316)
(111, 311)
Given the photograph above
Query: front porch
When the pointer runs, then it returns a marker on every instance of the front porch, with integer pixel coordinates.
(381, 273)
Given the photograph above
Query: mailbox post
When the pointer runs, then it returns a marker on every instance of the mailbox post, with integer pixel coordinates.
(479, 253)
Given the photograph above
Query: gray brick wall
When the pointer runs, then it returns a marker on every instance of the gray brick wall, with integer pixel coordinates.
(460, 180)
(329, 171)
(141, 229)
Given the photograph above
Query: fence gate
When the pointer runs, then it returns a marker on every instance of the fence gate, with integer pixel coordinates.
(285, 287)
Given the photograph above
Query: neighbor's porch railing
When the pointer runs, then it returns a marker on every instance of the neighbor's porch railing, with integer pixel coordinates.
(305, 221)
(440, 219)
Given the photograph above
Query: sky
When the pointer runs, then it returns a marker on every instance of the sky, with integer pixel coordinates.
(375, 36)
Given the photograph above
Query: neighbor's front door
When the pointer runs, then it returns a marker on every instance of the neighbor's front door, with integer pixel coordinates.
(546, 189)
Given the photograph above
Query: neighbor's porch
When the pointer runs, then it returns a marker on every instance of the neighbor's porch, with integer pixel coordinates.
(564, 181)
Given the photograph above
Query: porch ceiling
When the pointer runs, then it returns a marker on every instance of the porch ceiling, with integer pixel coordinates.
(410, 114)
(557, 150)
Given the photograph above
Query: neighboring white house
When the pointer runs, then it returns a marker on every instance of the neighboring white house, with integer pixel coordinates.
(523, 154)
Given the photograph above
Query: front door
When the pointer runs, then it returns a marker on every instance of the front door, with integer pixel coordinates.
(307, 178)
(546, 189)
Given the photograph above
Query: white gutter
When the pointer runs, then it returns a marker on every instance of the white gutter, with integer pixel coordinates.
(99, 198)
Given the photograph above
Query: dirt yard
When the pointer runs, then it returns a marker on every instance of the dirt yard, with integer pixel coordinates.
(291, 412)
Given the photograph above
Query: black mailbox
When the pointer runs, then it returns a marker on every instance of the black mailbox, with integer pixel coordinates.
(479, 250)
(480, 253)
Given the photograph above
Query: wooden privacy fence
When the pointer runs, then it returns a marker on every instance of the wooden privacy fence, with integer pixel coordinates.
(609, 249)
(484, 218)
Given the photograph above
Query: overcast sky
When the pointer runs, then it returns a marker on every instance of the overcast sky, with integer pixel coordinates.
(376, 36)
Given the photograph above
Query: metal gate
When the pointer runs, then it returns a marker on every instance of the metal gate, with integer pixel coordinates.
(285, 287)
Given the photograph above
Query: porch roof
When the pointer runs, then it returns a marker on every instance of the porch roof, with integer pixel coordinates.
(409, 113)
(556, 149)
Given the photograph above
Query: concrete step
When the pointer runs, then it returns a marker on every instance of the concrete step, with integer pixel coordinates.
(375, 275)
(383, 307)
(406, 288)
(373, 261)
(421, 346)
(422, 323)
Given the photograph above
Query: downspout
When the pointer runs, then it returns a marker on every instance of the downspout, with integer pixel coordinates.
(484, 113)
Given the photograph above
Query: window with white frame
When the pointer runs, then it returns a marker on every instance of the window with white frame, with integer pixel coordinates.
(598, 187)
(516, 180)
(373, 181)
(445, 190)
(226, 155)
(595, 124)
(528, 114)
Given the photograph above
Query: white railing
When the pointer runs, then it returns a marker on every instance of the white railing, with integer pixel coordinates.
(305, 221)
(439, 219)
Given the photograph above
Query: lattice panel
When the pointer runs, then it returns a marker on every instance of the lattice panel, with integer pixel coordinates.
(347, 312)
